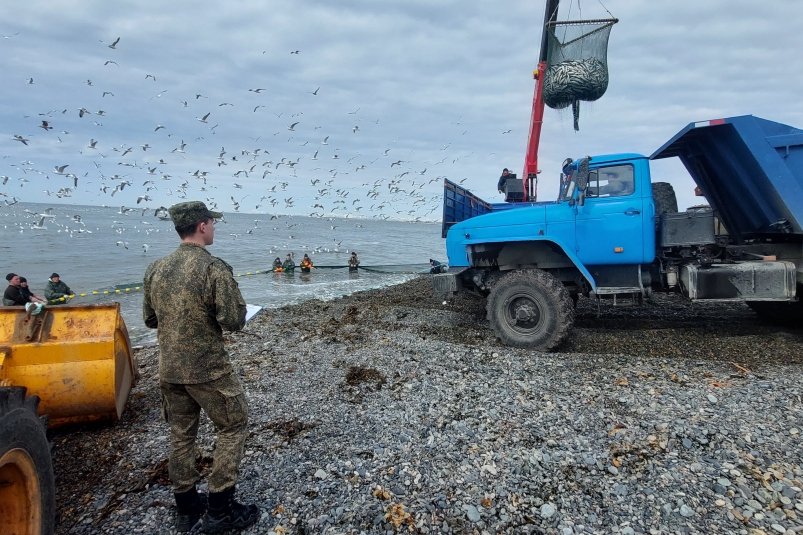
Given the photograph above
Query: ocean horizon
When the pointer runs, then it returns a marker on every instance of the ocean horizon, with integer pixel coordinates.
(102, 252)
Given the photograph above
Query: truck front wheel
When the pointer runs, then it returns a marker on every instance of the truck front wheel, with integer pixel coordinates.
(530, 308)
(27, 495)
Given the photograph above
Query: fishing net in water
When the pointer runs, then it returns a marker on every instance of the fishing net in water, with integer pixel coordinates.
(577, 63)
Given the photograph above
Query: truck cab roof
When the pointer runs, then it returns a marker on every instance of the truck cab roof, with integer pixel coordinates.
(606, 159)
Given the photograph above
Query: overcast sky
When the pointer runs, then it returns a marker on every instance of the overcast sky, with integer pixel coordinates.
(440, 89)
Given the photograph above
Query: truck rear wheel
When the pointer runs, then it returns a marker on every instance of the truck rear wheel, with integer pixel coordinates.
(663, 195)
(530, 309)
(27, 490)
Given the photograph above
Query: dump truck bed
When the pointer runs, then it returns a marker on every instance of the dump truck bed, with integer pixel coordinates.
(750, 170)
(460, 204)
(76, 358)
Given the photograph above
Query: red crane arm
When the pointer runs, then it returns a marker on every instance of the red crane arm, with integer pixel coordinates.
(536, 120)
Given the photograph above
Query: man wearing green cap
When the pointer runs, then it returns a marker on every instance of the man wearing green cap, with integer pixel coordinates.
(190, 297)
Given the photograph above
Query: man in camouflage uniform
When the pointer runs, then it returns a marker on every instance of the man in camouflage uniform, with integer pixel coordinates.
(190, 297)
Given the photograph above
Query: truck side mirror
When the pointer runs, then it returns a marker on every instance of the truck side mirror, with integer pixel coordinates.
(583, 174)
(583, 180)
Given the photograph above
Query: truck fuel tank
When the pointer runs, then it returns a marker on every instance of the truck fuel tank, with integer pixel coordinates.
(743, 281)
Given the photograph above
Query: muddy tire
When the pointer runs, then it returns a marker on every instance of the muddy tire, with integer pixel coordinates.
(666, 202)
(530, 308)
(27, 490)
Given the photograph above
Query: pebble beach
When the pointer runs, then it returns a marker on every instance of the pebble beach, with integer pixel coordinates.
(391, 411)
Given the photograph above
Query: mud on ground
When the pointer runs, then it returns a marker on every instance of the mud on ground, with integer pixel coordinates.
(112, 479)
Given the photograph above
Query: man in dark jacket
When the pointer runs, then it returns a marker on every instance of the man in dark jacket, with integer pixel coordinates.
(354, 262)
(190, 297)
(500, 186)
(28, 294)
(289, 264)
(56, 292)
(12, 296)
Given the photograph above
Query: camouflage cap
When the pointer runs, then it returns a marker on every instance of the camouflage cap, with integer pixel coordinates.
(187, 213)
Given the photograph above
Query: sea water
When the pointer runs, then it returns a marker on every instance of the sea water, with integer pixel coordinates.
(105, 249)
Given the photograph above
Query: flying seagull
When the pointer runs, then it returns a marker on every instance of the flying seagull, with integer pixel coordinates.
(114, 44)
(204, 118)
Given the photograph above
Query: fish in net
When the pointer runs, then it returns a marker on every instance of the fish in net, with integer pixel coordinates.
(578, 64)
(571, 81)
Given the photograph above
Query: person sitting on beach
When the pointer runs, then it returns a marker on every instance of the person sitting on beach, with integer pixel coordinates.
(306, 264)
(436, 267)
(277, 264)
(57, 291)
(354, 262)
(28, 294)
(289, 265)
(12, 296)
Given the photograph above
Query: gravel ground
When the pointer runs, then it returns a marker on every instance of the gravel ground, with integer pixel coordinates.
(388, 412)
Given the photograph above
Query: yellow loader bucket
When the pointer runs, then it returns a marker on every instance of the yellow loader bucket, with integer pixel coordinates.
(76, 358)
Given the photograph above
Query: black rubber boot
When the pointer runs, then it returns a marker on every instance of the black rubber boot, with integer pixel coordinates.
(190, 506)
(225, 513)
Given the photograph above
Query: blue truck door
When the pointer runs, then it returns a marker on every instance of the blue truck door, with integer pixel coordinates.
(609, 226)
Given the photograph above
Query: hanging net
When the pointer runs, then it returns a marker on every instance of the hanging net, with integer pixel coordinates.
(577, 63)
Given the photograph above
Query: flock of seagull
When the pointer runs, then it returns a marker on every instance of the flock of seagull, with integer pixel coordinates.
(280, 171)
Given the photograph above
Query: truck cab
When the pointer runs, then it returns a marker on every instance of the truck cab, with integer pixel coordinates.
(609, 221)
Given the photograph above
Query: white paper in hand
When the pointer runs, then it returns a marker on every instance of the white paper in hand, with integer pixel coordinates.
(250, 311)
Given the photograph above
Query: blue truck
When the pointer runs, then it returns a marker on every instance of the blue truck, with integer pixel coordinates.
(612, 233)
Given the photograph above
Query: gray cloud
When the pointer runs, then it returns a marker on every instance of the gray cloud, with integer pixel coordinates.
(436, 83)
